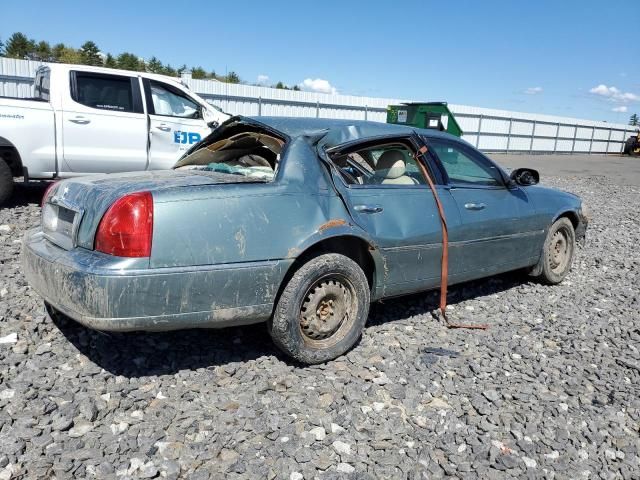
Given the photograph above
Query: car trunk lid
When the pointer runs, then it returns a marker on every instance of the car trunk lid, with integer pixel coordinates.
(74, 207)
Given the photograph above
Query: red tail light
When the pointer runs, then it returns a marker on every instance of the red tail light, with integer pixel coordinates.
(126, 229)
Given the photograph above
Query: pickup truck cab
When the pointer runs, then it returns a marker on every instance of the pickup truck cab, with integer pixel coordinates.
(85, 120)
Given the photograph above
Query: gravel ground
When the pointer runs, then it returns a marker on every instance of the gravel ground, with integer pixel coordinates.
(550, 390)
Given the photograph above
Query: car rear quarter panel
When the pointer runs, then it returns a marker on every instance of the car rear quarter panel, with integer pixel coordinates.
(234, 223)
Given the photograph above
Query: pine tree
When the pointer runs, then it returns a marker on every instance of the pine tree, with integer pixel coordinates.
(154, 65)
(634, 120)
(110, 62)
(42, 52)
(232, 77)
(128, 61)
(19, 46)
(90, 54)
(1, 48)
(198, 73)
(169, 70)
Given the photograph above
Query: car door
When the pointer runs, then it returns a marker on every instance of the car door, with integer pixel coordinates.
(175, 123)
(104, 127)
(395, 205)
(499, 229)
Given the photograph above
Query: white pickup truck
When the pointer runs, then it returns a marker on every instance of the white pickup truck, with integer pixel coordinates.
(85, 120)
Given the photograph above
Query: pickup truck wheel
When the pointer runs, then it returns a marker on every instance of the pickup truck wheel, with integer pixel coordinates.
(557, 253)
(6, 182)
(322, 310)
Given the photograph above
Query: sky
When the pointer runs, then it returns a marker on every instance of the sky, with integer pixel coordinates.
(570, 58)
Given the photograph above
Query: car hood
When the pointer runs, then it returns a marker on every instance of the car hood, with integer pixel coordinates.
(91, 196)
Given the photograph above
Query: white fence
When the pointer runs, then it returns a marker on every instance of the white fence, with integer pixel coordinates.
(487, 129)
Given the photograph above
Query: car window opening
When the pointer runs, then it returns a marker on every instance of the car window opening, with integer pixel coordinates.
(250, 154)
(388, 164)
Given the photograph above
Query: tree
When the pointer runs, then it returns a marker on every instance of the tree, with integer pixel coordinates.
(42, 52)
(198, 73)
(90, 54)
(183, 68)
(1, 47)
(296, 88)
(110, 62)
(56, 51)
(129, 61)
(232, 77)
(154, 65)
(634, 120)
(69, 55)
(281, 86)
(19, 46)
(169, 70)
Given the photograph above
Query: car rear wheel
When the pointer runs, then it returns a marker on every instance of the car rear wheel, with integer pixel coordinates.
(6, 182)
(322, 311)
(557, 253)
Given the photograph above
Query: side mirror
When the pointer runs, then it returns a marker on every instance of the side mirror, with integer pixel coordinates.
(525, 176)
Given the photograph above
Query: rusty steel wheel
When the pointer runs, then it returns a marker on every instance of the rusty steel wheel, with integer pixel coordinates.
(322, 310)
(327, 311)
(559, 250)
(557, 255)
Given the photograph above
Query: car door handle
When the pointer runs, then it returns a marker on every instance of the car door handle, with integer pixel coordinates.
(474, 206)
(164, 127)
(368, 208)
(80, 120)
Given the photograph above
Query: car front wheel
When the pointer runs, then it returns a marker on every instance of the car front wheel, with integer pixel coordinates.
(557, 253)
(322, 311)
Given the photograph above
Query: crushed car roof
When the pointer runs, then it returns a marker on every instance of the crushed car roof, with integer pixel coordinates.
(336, 132)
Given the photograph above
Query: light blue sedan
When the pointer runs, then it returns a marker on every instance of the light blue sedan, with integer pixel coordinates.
(297, 222)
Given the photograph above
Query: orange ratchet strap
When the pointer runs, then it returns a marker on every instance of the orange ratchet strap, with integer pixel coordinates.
(444, 266)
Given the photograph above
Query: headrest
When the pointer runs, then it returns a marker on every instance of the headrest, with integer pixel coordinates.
(391, 164)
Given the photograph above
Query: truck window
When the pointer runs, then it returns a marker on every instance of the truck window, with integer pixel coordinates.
(105, 92)
(171, 102)
(41, 84)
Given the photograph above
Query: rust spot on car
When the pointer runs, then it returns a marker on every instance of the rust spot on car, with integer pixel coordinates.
(338, 222)
(293, 252)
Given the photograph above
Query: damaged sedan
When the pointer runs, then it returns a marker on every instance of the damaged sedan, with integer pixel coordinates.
(299, 223)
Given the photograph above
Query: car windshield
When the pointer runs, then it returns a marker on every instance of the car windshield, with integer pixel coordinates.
(249, 154)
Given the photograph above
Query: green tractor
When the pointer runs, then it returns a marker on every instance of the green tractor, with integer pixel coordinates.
(434, 115)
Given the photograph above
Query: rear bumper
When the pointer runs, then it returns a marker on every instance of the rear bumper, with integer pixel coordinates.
(82, 285)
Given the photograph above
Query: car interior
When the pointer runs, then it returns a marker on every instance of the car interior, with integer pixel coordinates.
(391, 164)
(252, 154)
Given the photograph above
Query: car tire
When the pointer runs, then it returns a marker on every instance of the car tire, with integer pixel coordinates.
(628, 146)
(322, 310)
(6, 182)
(557, 253)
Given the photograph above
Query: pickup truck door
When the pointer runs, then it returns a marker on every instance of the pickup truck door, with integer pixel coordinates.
(500, 230)
(175, 123)
(397, 209)
(104, 127)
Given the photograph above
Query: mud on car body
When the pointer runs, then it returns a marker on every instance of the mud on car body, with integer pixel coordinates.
(299, 223)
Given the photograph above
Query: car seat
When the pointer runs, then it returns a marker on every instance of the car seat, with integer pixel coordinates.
(391, 169)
